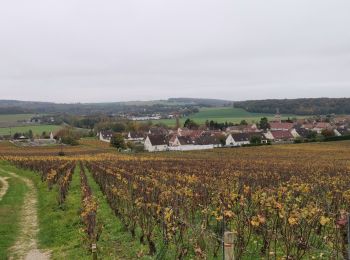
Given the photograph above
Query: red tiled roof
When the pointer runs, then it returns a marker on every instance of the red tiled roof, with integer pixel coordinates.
(278, 134)
(274, 125)
(322, 125)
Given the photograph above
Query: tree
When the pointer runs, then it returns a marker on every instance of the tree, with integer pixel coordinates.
(190, 124)
(264, 123)
(327, 133)
(30, 134)
(16, 135)
(311, 135)
(118, 127)
(69, 135)
(255, 139)
(68, 139)
(243, 122)
(118, 141)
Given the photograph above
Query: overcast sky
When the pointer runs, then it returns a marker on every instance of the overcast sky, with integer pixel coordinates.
(91, 51)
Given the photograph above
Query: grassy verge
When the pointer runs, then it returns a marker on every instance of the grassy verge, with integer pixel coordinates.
(115, 242)
(60, 230)
(9, 213)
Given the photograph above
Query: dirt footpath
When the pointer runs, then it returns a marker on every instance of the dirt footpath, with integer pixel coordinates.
(26, 246)
(4, 186)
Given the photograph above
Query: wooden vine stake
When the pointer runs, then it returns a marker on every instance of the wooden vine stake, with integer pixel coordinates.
(348, 235)
(94, 251)
(228, 245)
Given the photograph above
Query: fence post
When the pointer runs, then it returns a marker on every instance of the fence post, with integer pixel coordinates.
(223, 235)
(94, 251)
(228, 244)
(348, 235)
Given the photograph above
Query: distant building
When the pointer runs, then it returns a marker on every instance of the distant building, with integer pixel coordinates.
(156, 143)
(279, 136)
(275, 126)
(277, 118)
(135, 137)
(252, 128)
(145, 118)
(106, 136)
(320, 126)
(239, 139)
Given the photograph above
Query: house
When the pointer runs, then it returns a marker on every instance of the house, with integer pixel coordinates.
(252, 128)
(343, 131)
(282, 126)
(182, 140)
(135, 137)
(156, 143)
(186, 143)
(189, 132)
(36, 120)
(302, 132)
(320, 126)
(208, 140)
(279, 136)
(308, 126)
(157, 131)
(237, 139)
(240, 139)
(106, 136)
(295, 133)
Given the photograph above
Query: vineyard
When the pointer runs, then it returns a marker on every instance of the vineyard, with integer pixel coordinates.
(280, 202)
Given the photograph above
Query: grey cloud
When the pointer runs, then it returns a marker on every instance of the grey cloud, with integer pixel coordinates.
(125, 50)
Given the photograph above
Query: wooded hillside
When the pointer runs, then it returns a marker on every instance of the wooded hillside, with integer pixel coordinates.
(304, 106)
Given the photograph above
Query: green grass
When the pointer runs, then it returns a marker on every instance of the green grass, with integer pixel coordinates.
(15, 117)
(60, 230)
(37, 129)
(222, 115)
(9, 213)
(114, 239)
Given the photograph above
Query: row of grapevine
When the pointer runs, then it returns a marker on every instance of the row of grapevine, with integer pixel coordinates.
(280, 210)
(89, 209)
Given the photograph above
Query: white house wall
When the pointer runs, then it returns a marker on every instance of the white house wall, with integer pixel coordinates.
(191, 147)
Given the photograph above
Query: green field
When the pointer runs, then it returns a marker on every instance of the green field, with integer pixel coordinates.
(13, 120)
(221, 115)
(37, 129)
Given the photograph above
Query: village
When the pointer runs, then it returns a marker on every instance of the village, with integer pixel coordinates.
(276, 131)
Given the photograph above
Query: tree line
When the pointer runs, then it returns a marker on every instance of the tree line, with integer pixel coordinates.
(302, 106)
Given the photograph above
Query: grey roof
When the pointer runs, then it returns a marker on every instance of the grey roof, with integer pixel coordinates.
(205, 140)
(158, 139)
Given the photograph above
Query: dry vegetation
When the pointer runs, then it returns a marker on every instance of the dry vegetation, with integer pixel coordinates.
(287, 202)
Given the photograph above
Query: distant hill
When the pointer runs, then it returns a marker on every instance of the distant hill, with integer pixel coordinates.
(25, 107)
(301, 106)
(206, 102)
